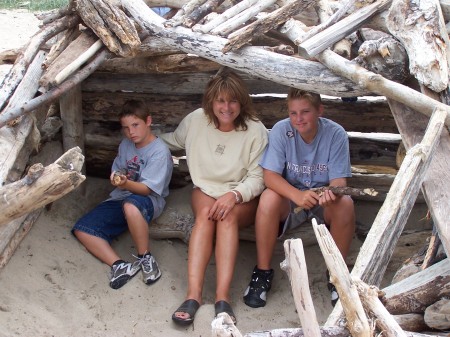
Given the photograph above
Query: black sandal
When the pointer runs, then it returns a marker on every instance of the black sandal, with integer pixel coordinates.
(188, 307)
(224, 306)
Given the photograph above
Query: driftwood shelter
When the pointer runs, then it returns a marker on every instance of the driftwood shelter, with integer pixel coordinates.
(88, 58)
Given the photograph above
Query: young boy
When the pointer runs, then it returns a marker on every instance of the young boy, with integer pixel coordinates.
(141, 173)
(304, 151)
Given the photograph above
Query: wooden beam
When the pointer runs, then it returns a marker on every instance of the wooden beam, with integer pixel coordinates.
(41, 186)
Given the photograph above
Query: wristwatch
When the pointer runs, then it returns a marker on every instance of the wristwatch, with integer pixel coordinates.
(238, 200)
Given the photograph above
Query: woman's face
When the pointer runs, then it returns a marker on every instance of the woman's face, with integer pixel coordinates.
(226, 109)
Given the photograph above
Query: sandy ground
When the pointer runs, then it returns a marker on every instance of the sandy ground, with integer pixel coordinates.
(53, 287)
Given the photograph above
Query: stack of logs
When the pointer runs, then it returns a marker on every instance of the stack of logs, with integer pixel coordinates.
(126, 48)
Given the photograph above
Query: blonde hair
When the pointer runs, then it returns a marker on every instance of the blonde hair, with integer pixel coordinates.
(231, 85)
(312, 97)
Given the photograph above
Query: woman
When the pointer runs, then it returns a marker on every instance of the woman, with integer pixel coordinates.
(224, 142)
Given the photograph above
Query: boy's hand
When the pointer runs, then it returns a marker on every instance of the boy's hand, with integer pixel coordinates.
(118, 178)
(307, 199)
(327, 198)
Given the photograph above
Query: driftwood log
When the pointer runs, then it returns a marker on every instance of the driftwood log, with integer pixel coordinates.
(41, 186)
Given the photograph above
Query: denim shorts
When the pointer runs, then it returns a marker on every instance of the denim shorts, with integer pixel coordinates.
(107, 220)
(296, 218)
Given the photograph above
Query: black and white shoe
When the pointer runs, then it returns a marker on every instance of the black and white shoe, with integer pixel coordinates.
(333, 292)
(255, 295)
(122, 272)
(150, 269)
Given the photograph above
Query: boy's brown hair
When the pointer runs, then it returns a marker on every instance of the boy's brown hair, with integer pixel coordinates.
(231, 85)
(136, 108)
(312, 97)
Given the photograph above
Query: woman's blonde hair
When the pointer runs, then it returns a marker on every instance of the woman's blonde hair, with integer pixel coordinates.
(312, 97)
(231, 85)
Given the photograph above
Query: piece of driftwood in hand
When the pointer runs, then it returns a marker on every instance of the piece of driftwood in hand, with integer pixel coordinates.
(21, 139)
(345, 190)
(388, 225)
(358, 323)
(428, 57)
(237, 21)
(294, 266)
(437, 315)
(412, 126)
(78, 46)
(9, 115)
(200, 12)
(15, 75)
(326, 38)
(418, 291)
(384, 321)
(111, 25)
(42, 185)
(244, 35)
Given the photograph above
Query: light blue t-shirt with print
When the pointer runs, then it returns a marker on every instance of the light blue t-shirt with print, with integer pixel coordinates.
(305, 165)
(151, 165)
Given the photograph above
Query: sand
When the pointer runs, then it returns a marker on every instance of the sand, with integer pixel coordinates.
(53, 287)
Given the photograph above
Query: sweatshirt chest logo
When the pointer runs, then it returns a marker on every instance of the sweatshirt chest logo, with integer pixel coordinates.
(220, 149)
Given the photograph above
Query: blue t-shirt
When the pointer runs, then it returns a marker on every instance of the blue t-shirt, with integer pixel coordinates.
(151, 165)
(305, 165)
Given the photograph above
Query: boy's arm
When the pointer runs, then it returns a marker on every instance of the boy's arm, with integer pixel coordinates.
(304, 199)
(122, 182)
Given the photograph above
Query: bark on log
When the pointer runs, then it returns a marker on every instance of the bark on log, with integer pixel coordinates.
(385, 56)
(357, 321)
(379, 245)
(333, 331)
(295, 267)
(111, 25)
(201, 11)
(41, 186)
(420, 27)
(261, 26)
(415, 293)
(69, 36)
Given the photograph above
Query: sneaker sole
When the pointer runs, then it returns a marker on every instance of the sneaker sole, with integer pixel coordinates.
(150, 281)
(121, 281)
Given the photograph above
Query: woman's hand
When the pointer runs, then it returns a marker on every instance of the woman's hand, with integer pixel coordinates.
(222, 207)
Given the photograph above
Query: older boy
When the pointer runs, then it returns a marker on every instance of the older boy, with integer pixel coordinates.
(304, 151)
(141, 173)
